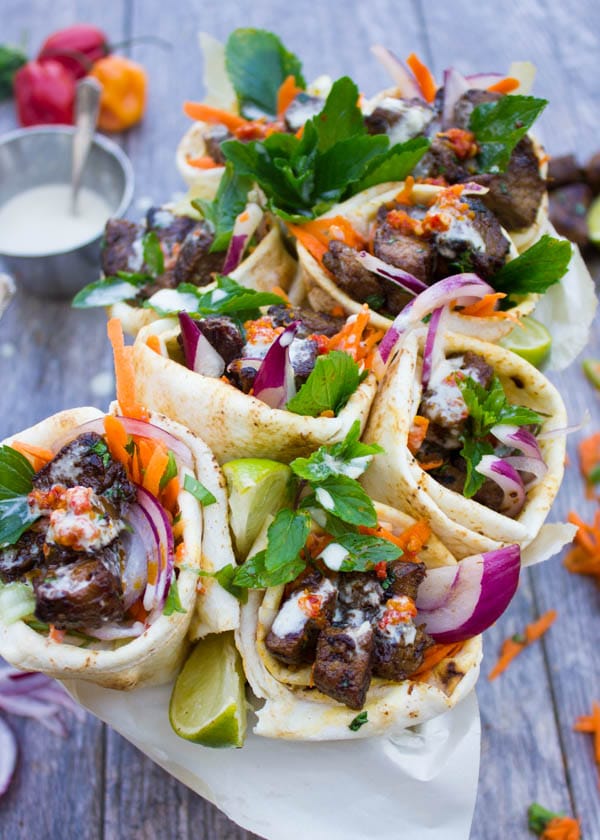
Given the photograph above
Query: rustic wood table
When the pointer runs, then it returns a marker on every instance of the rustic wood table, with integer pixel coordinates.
(96, 786)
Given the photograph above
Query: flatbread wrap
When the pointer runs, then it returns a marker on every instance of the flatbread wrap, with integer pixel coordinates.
(102, 546)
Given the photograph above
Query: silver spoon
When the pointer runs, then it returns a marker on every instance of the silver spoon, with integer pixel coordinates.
(87, 104)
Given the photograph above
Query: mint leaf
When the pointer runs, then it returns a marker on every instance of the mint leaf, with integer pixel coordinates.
(350, 458)
(16, 473)
(345, 498)
(223, 210)
(536, 269)
(226, 298)
(106, 291)
(473, 450)
(198, 490)
(15, 518)
(170, 472)
(331, 383)
(153, 256)
(395, 164)
(286, 535)
(340, 118)
(173, 602)
(498, 127)
(490, 407)
(254, 575)
(360, 720)
(257, 64)
(365, 551)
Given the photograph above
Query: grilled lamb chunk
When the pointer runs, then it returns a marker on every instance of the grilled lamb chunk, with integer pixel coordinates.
(224, 335)
(214, 136)
(400, 119)
(410, 253)
(86, 461)
(311, 323)
(478, 240)
(342, 668)
(303, 357)
(84, 594)
(563, 170)
(405, 578)
(440, 161)
(26, 554)
(453, 475)
(359, 597)
(194, 262)
(302, 109)
(515, 195)
(467, 102)
(241, 375)
(122, 247)
(568, 211)
(169, 228)
(303, 613)
(356, 281)
(477, 368)
(399, 650)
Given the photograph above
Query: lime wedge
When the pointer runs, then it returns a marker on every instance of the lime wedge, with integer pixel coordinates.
(257, 488)
(208, 705)
(593, 221)
(532, 341)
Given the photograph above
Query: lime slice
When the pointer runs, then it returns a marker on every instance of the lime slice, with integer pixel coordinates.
(257, 488)
(208, 705)
(593, 221)
(532, 341)
(591, 368)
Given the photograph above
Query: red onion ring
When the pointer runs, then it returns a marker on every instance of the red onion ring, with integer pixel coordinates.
(433, 353)
(455, 85)
(406, 281)
(509, 481)
(156, 593)
(243, 229)
(274, 383)
(409, 89)
(141, 548)
(482, 81)
(200, 355)
(110, 632)
(523, 464)
(518, 437)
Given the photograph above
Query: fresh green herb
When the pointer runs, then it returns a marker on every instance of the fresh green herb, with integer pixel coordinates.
(331, 383)
(345, 498)
(198, 490)
(286, 536)
(473, 451)
(498, 127)
(539, 817)
(302, 178)
(154, 258)
(594, 475)
(365, 552)
(360, 720)
(375, 302)
(226, 298)
(101, 450)
(130, 447)
(254, 575)
(173, 602)
(170, 472)
(258, 64)
(11, 59)
(16, 475)
(349, 458)
(223, 210)
(105, 292)
(519, 639)
(536, 269)
(591, 368)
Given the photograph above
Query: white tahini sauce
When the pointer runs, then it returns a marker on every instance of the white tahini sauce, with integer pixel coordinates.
(39, 221)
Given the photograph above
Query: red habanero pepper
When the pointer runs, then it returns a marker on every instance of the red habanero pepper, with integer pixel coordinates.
(77, 47)
(44, 94)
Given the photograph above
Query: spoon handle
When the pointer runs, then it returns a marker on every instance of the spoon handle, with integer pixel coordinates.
(87, 104)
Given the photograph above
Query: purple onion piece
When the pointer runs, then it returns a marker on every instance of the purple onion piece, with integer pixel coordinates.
(509, 481)
(435, 590)
(111, 632)
(518, 437)
(200, 355)
(482, 81)
(140, 546)
(434, 345)
(524, 464)
(455, 85)
(274, 383)
(407, 281)
(409, 89)
(243, 229)
(8, 757)
(156, 593)
(481, 591)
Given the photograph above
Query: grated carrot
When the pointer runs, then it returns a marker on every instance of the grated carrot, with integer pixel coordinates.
(155, 468)
(116, 439)
(322, 231)
(505, 85)
(589, 461)
(170, 494)
(512, 647)
(433, 656)
(206, 113)
(313, 245)
(417, 433)
(411, 540)
(486, 307)
(584, 557)
(204, 162)
(36, 456)
(124, 372)
(286, 94)
(591, 725)
(277, 290)
(405, 194)
(357, 338)
(423, 76)
(153, 342)
(562, 828)
(56, 635)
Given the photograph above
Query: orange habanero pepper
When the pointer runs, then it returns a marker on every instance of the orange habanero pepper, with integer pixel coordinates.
(123, 92)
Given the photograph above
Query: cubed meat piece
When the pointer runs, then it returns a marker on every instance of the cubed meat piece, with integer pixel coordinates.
(453, 475)
(311, 323)
(400, 119)
(302, 109)
(399, 650)
(515, 195)
(467, 102)
(214, 136)
(441, 161)
(293, 635)
(85, 594)
(410, 253)
(356, 281)
(195, 264)
(122, 247)
(87, 462)
(472, 243)
(303, 357)
(404, 578)
(241, 374)
(568, 211)
(475, 366)
(592, 173)
(224, 335)
(359, 597)
(169, 228)
(342, 668)
(24, 556)
(563, 170)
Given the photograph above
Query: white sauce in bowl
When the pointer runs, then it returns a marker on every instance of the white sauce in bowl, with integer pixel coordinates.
(39, 221)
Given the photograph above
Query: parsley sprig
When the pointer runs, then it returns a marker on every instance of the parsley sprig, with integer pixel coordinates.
(225, 297)
(498, 127)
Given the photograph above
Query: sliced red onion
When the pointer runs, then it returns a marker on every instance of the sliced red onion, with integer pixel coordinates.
(110, 632)
(455, 85)
(243, 230)
(473, 599)
(405, 81)
(524, 464)
(156, 593)
(407, 281)
(461, 288)
(433, 353)
(471, 188)
(200, 355)
(566, 430)
(518, 437)
(509, 481)
(482, 81)
(8, 757)
(274, 383)
(141, 548)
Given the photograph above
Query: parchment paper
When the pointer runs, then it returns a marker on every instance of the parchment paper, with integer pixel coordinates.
(419, 786)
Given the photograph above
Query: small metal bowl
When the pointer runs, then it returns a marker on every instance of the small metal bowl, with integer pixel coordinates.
(32, 157)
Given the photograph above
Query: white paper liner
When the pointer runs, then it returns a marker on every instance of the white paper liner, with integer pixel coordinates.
(421, 785)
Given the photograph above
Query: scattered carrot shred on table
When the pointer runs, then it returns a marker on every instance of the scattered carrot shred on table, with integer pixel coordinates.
(512, 647)
(589, 461)
(584, 557)
(550, 826)
(591, 725)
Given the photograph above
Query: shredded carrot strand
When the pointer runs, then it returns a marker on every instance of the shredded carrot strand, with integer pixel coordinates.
(504, 85)
(423, 76)
(277, 290)
(511, 648)
(589, 460)
(153, 342)
(562, 828)
(433, 656)
(411, 540)
(170, 494)
(584, 557)
(116, 439)
(56, 635)
(313, 245)
(417, 433)
(204, 162)
(286, 94)
(36, 455)
(206, 113)
(357, 338)
(124, 372)
(591, 725)
(486, 307)
(155, 469)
